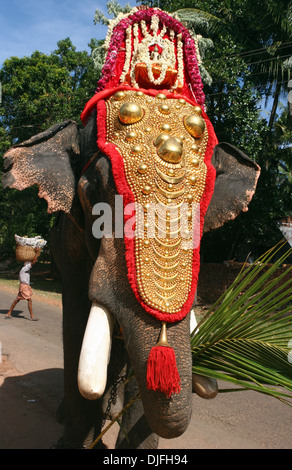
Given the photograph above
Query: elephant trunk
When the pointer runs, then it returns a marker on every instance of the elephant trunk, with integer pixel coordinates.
(167, 416)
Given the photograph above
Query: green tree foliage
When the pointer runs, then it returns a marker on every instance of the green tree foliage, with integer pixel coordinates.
(37, 92)
(44, 89)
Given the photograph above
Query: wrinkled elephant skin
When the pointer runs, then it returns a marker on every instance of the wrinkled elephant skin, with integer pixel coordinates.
(95, 270)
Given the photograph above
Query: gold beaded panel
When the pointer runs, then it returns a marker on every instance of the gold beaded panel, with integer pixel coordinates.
(162, 142)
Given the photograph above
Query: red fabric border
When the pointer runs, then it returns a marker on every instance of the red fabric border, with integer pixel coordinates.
(128, 197)
(102, 95)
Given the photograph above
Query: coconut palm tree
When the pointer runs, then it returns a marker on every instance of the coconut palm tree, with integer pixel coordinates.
(246, 335)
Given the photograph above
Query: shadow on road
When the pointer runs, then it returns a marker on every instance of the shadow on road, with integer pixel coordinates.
(29, 409)
(15, 313)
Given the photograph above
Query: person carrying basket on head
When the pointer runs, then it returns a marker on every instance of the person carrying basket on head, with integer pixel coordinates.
(25, 290)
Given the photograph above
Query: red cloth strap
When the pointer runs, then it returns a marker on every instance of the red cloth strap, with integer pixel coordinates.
(102, 95)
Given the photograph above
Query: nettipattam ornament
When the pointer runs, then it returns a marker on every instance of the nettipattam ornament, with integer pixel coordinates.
(152, 125)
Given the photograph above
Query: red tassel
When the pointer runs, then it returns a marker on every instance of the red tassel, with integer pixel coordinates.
(162, 373)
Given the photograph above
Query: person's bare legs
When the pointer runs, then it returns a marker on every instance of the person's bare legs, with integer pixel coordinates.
(11, 308)
(30, 310)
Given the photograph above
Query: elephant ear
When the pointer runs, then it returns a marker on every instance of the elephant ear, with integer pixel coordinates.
(49, 160)
(236, 180)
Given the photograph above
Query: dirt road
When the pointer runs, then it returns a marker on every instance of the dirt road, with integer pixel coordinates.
(31, 389)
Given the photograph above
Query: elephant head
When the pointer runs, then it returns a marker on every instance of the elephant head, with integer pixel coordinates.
(146, 141)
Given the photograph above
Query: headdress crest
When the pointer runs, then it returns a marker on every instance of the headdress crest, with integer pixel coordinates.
(150, 37)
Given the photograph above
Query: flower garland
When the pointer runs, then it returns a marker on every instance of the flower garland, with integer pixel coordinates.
(196, 38)
(113, 23)
(141, 51)
(128, 53)
(116, 37)
(180, 61)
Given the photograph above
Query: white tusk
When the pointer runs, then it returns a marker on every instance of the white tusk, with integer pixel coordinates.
(95, 353)
(193, 321)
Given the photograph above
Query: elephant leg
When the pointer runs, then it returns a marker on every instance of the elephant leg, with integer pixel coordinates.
(135, 432)
(81, 418)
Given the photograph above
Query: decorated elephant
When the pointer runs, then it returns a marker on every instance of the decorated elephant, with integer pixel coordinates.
(129, 279)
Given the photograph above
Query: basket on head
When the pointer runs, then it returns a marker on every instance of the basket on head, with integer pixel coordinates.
(26, 247)
(25, 253)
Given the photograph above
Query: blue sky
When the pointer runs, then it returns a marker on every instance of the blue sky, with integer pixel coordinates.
(29, 25)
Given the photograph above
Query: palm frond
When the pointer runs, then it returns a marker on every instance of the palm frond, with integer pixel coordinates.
(244, 336)
(194, 18)
(189, 13)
